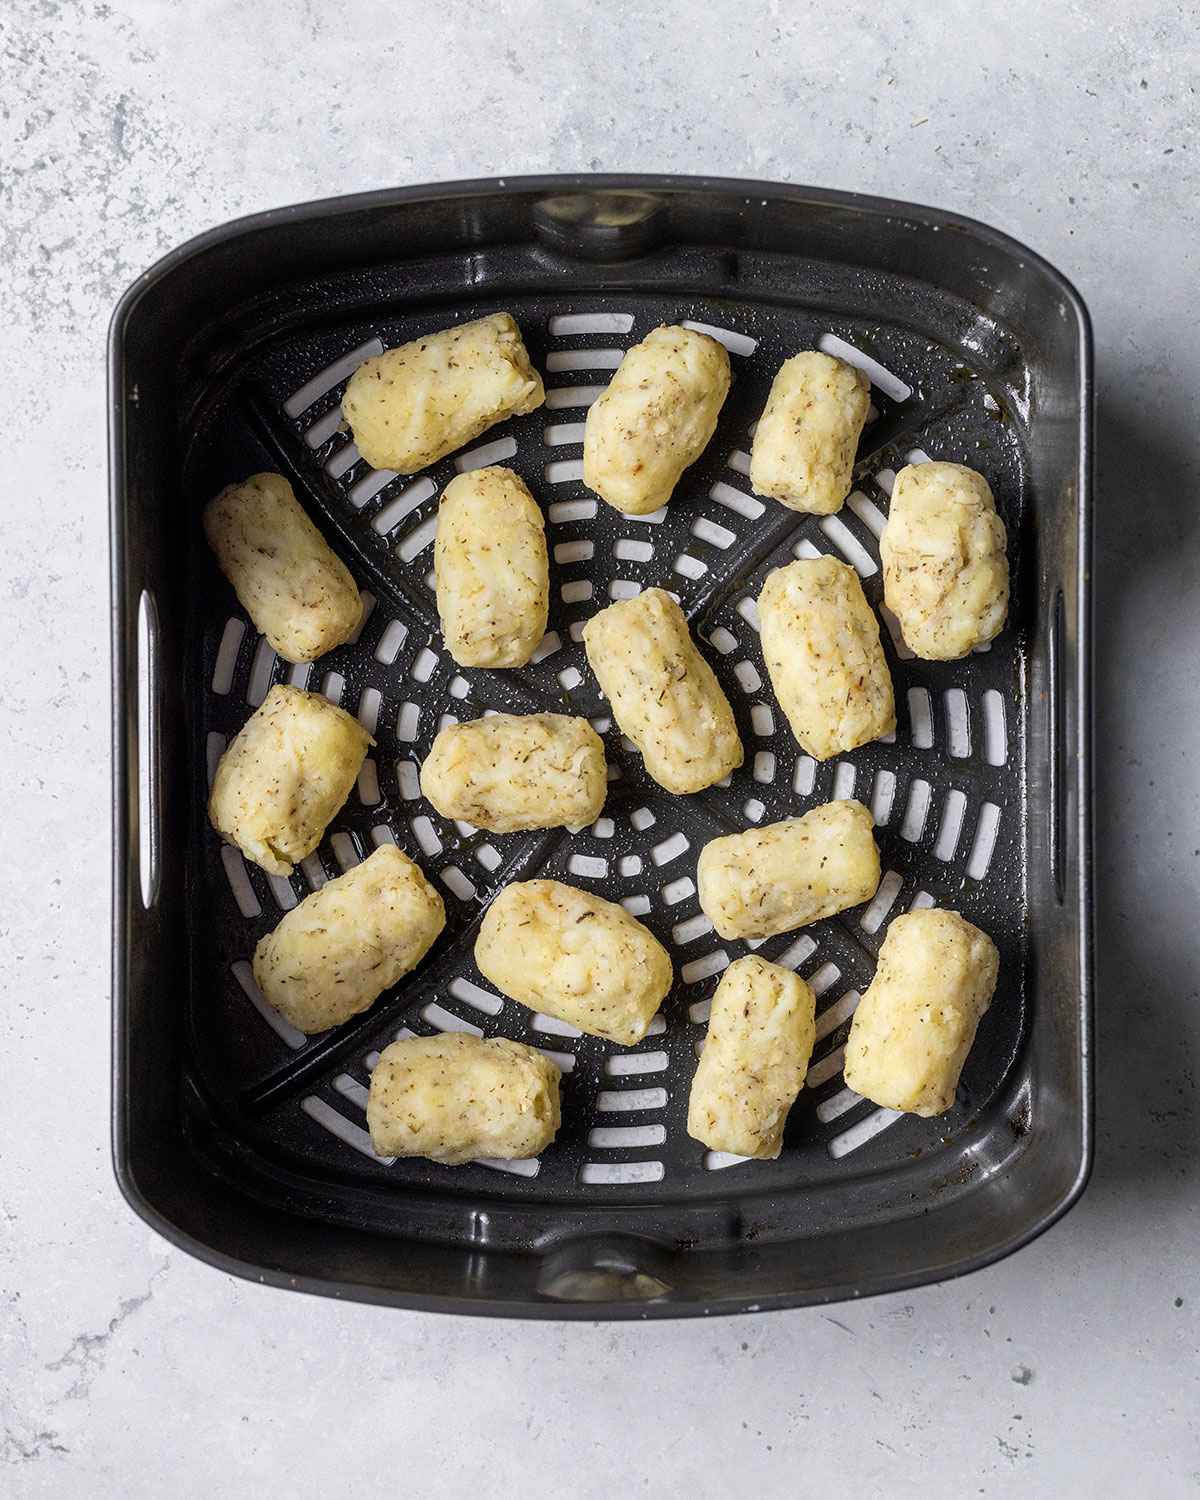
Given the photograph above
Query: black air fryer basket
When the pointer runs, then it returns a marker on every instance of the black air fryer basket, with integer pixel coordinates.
(243, 1141)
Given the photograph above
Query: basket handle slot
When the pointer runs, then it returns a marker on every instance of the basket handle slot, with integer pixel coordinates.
(1059, 768)
(605, 224)
(149, 776)
(605, 1268)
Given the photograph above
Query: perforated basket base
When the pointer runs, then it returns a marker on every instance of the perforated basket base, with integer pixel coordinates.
(280, 1117)
(945, 793)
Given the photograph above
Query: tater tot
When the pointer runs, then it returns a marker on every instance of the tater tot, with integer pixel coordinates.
(335, 953)
(945, 569)
(459, 1098)
(286, 774)
(755, 1059)
(664, 695)
(785, 875)
(508, 772)
(412, 405)
(820, 641)
(491, 569)
(915, 1024)
(297, 591)
(572, 955)
(655, 418)
(807, 436)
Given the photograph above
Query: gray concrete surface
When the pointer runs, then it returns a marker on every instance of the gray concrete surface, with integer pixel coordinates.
(129, 1370)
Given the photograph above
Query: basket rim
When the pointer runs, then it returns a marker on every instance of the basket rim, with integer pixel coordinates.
(137, 1197)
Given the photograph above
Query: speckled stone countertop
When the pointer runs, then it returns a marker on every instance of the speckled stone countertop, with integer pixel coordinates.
(128, 1369)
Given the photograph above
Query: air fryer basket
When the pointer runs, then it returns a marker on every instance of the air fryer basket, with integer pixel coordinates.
(242, 1140)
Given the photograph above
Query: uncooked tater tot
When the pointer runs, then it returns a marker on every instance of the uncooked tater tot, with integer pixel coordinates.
(786, 875)
(491, 570)
(807, 436)
(458, 1098)
(820, 642)
(945, 569)
(664, 695)
(755, 1058)
(297, 591)
(569, 954)
(337, 951)
(412, 405)
(508, 772)
(915, 1024)
(284, 777)
(655, 418)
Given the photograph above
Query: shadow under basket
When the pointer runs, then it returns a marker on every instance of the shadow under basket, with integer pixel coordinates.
(243, 1141)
